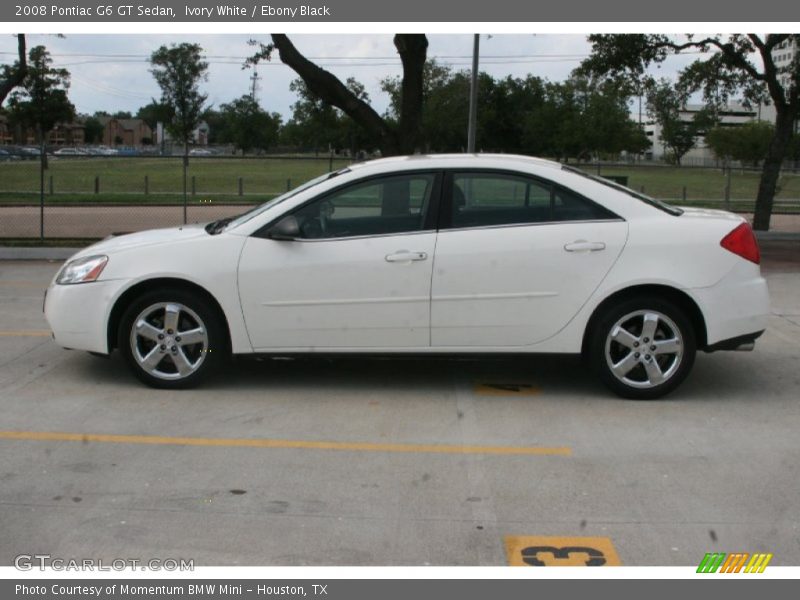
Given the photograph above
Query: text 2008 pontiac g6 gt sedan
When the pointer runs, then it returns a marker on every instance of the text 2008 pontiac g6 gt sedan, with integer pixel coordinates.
(426, 254)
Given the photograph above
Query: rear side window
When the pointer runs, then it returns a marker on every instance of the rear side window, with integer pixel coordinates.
(485, 199)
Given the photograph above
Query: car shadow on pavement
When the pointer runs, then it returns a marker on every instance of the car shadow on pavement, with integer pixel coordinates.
(719, 376)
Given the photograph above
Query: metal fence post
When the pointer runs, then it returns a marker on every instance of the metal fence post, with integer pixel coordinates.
(684, 193)
(728, 189)
(146, 185)
(288, 184)
(194, 186)
(241, 186)
(96, 184)
(42, 164)
(51, 185)
(185, 196)
(330, 162)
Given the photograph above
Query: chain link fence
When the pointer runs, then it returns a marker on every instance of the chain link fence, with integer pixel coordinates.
(93, 197)
(90, 197)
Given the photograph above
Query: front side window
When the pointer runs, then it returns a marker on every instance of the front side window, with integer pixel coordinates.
(381, 206)
(486, 199)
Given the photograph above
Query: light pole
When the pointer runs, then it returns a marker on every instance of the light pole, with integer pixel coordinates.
(473, 97)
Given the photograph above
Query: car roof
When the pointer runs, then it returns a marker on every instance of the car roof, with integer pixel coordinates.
(441, 161)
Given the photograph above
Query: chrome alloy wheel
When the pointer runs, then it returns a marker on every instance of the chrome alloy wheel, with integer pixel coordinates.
(644, 349)
(169, 340)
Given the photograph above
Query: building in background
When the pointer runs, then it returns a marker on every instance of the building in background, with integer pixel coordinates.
(63, 134)
(126, 132)
(199, 137)
(733, 115)
(6, 135)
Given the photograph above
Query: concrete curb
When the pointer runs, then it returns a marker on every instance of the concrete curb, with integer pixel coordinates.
(38, 253)
(775, 236)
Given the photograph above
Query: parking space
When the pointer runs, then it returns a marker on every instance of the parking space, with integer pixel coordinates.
(402, 461)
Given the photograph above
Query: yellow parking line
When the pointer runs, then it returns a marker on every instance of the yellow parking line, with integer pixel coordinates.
(26, 333)
(273, 443)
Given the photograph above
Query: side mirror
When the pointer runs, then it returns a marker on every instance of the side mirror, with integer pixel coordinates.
(286, 229)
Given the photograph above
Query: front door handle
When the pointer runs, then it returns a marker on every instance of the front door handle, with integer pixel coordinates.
(584, 246)
(406, 256)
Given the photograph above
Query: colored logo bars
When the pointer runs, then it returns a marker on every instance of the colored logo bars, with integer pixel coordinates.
(734, 563)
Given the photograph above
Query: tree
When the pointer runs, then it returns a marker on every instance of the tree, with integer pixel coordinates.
(122, 114)
(12, 76)
(665, 105)
(248, 126)
(748, 143)
(401, 137)
(154, 113)
(93, 130)
(178, 70)
(317, 125)
(739, 63)
(41, 101)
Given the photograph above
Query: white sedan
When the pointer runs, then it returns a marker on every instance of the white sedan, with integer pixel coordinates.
(441, 254)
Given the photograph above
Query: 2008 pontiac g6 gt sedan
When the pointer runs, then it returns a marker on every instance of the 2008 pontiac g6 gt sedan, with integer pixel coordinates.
(442, 254)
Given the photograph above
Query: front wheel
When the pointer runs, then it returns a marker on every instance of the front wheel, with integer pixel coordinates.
(643, 348)
(171, 339)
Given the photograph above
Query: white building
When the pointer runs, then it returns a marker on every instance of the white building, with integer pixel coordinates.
(733, 115)
(783, 55)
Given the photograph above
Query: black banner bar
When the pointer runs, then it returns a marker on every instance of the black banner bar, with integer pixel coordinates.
(258, 11)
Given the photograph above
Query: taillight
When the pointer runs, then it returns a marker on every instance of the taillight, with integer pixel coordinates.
(742, 242)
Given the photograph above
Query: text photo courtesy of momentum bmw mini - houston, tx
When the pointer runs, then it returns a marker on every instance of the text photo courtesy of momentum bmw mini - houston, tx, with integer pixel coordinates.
(398, 300)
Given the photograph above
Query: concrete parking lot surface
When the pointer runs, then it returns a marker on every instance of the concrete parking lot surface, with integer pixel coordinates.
(395, 462)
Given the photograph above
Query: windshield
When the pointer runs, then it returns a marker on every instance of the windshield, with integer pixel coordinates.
(244, 217)
(659, 204)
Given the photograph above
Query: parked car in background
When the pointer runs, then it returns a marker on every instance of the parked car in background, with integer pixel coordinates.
(70, 152)
(200, 152)
(451, 254)
(5, 155)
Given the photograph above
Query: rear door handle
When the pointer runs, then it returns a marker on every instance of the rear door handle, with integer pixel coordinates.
(584, 246)
(406, 256)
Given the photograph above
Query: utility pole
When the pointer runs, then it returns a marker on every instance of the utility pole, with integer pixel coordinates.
(254, 84)
(473, 97)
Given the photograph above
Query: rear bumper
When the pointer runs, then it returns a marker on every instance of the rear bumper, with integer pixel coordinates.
(740, 342)
(736, 307)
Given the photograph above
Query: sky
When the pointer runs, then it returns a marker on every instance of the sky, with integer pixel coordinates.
(110, 72)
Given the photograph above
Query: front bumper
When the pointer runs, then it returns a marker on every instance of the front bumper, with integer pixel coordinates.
(78, 314)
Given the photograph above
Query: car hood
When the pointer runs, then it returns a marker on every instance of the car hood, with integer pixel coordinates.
(150, 237)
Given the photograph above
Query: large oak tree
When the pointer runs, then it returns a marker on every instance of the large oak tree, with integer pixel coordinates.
(400, 137)
(12, 76)
(738, 63)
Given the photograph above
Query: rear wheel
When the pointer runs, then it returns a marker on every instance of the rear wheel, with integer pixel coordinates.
(171, 339)
(643, 348)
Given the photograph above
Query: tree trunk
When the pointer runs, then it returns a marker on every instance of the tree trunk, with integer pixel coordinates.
(413, 49)
(771, 170)
(330, 89)
(16, 75)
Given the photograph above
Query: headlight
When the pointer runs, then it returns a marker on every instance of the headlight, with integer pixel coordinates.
(82, 270)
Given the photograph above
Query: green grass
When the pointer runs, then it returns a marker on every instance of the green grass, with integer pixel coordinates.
(126, 177)
(666, 183)
(217, 180)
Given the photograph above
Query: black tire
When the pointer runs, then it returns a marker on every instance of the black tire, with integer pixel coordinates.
(208, 355)
(638, 384)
